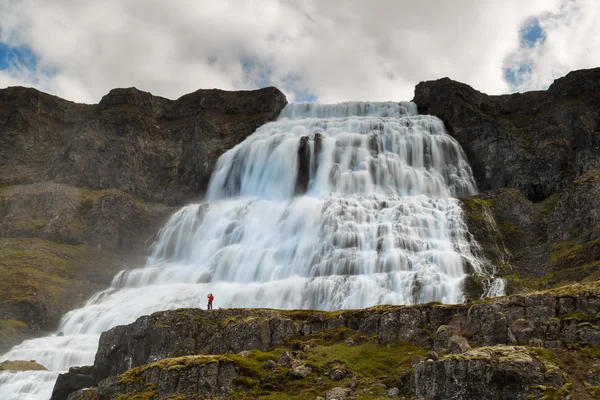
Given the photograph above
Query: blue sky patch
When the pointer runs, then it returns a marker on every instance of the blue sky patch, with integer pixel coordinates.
(258, 75)
(516, 76)
(11, 57)
(531, 33)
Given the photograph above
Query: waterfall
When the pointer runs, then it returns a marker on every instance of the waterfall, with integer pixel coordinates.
(331, 206)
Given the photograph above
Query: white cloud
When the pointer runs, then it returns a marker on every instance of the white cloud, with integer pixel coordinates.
(336, 49)
(571, 40)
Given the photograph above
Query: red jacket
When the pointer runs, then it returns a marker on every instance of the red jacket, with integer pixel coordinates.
(210, 298)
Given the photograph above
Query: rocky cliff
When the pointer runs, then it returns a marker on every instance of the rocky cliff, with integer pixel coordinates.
(536, 159)
(84, 187)
(542, 345)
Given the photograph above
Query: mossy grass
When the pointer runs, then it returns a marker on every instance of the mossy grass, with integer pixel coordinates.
(366, 362)
(21, 365)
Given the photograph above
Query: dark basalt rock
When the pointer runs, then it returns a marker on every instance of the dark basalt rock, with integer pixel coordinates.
(77, 378)
(566, 315)
(148, 146)
(536, 142)
(499, 372)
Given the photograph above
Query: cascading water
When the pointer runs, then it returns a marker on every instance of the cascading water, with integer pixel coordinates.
(331, 206)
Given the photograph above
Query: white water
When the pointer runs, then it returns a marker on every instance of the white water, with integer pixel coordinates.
(378, 223)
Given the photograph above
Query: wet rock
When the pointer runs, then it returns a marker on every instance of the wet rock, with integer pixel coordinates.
(458, 344)
(432, 355)
(393, 392)
(84, 394)
(304, 160)
(76, 378)
(245, 353)
(349, 342)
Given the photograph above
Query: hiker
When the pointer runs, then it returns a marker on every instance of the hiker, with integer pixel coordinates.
(210, 300)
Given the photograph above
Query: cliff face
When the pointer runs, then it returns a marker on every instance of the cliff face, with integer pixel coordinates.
(535, 142)
(527, 346)
(536, 158)
(150, 147)
(84, 187)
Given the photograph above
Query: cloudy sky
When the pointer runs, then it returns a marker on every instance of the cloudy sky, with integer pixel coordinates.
(313, 50)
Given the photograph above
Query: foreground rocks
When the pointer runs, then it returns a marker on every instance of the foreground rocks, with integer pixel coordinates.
(498, 372)
(363, 351)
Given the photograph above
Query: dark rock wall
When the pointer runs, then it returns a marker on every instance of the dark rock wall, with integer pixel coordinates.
(536, 142)
(557, 319)
(157, 149)
(536, 159)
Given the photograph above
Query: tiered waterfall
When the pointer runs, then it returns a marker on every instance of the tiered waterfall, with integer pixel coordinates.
(331, 206)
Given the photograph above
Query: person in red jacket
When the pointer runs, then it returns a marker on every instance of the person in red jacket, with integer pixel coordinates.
(210, 300)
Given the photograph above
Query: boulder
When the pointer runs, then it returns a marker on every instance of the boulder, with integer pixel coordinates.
(499, 372)
(338, 393)
(77, 378)
(300, 371)
(458, 344)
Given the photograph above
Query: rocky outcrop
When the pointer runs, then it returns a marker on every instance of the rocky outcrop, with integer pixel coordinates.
(59, 244)
(83, 188)
(536, 142)
(157, 149)
(557, 320)
(539, 245)
(499, 372)
(536, 159)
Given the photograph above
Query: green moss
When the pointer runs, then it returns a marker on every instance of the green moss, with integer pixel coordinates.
(509, 228)
(147, 395)
(475, 208)
(11, 327)
(367, 359)
(20, 365)
(89, 394)
(474, 287)
(515, 283)
(87, 204)
(549, 204)
(34, 268)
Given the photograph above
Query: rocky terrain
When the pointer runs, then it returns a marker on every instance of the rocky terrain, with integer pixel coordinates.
(538, 346)
(536, 159)
(83, 188)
